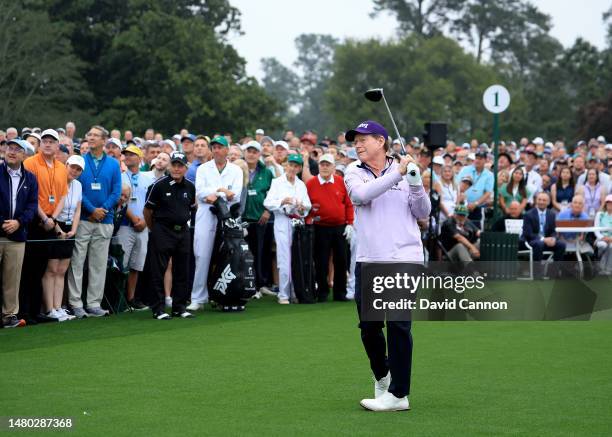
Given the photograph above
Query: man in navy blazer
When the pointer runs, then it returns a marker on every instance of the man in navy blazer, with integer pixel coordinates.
(539, 229)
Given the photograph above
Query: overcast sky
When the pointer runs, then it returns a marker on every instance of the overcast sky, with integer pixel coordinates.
(270, 26)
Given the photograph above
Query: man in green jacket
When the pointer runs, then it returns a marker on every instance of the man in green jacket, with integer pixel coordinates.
(260, 232)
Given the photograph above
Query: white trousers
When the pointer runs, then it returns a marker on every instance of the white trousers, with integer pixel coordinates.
(203, 241)
(283, 234)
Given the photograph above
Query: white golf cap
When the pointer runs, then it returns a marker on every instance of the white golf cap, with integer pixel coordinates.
(32, 134)
(549, 144)
(438, 160)
(76, 160)
(50, 133)
(601, 139)
(538, 141)
(466, 146)
(176, 137)
(21, 143)
(170, 143)
(259, 132)
(327, 157)
(397, 141)
(282, 143)
(114, 141)
(252, 145)
(471, 156)
(608, 146)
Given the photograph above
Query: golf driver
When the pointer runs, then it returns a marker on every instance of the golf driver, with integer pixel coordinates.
(374, 95)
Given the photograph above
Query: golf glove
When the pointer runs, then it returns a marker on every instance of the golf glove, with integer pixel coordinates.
(413, 174)
(348, 232)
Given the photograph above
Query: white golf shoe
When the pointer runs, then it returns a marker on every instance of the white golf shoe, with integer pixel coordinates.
(386, 402)
(194, 306)
(382, 385)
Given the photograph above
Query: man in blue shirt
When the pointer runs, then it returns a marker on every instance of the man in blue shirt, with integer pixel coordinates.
(575, 212)
(201, 154)
(101, 182)
(479, 194)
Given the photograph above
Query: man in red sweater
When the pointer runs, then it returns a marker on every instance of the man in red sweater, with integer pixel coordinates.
(332, 215)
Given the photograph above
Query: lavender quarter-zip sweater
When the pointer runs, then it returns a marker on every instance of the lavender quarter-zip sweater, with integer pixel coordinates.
(387, 209)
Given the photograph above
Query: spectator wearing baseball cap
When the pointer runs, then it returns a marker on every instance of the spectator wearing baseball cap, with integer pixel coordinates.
(18, 207)
(259, 134)
(287, 198)
(33, 139)
(460, 237)
(480, 192)
(167, 212)
(66, 227)
(276, 162)
(215, 178)
(133, 235)
(260, 229)
(187, 144)
(42, 256)
(168, 146)
(332, 215)
(113, 148)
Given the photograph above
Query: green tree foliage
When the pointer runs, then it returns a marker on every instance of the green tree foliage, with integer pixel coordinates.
(281, 82)
(40, 79)
(158, 63)
(424, 80)
(314, 68)
(595, 118)
(170, 72)
(422, 17)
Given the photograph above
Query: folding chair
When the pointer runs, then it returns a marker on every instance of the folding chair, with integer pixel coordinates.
(515, 226)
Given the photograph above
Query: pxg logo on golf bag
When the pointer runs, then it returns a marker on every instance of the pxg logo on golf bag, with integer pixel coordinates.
(226, 278)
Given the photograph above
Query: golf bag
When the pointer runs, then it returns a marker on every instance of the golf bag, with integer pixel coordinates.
(231, 282)
(302, 268)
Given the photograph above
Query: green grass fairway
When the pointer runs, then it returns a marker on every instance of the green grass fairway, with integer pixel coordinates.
(301, 370)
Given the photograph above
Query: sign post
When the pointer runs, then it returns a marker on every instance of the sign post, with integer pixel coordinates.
(496, 100)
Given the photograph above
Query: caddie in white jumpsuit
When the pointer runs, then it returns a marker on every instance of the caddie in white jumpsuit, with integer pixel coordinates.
(215, 178)
(287, 199)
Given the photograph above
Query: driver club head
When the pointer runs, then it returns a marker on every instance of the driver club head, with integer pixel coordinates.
(374, 94)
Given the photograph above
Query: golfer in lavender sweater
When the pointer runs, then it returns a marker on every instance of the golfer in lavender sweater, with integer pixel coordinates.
(389, 199)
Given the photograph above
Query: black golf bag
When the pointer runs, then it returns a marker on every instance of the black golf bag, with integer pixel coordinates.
(302, 267)
(231, 281)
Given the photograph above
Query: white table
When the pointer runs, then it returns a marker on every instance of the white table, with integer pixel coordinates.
(579, 230)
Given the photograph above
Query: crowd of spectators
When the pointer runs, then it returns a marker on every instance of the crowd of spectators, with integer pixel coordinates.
(67, 201)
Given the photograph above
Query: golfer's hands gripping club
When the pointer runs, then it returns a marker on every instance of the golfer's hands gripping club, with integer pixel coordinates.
(410, 170)
(348, 232)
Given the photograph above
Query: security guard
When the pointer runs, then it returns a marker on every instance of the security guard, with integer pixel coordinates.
(167, 212)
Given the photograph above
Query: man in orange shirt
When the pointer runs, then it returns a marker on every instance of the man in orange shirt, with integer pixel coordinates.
(52, 179)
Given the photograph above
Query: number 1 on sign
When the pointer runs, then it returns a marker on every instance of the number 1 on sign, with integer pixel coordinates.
(496, 98)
